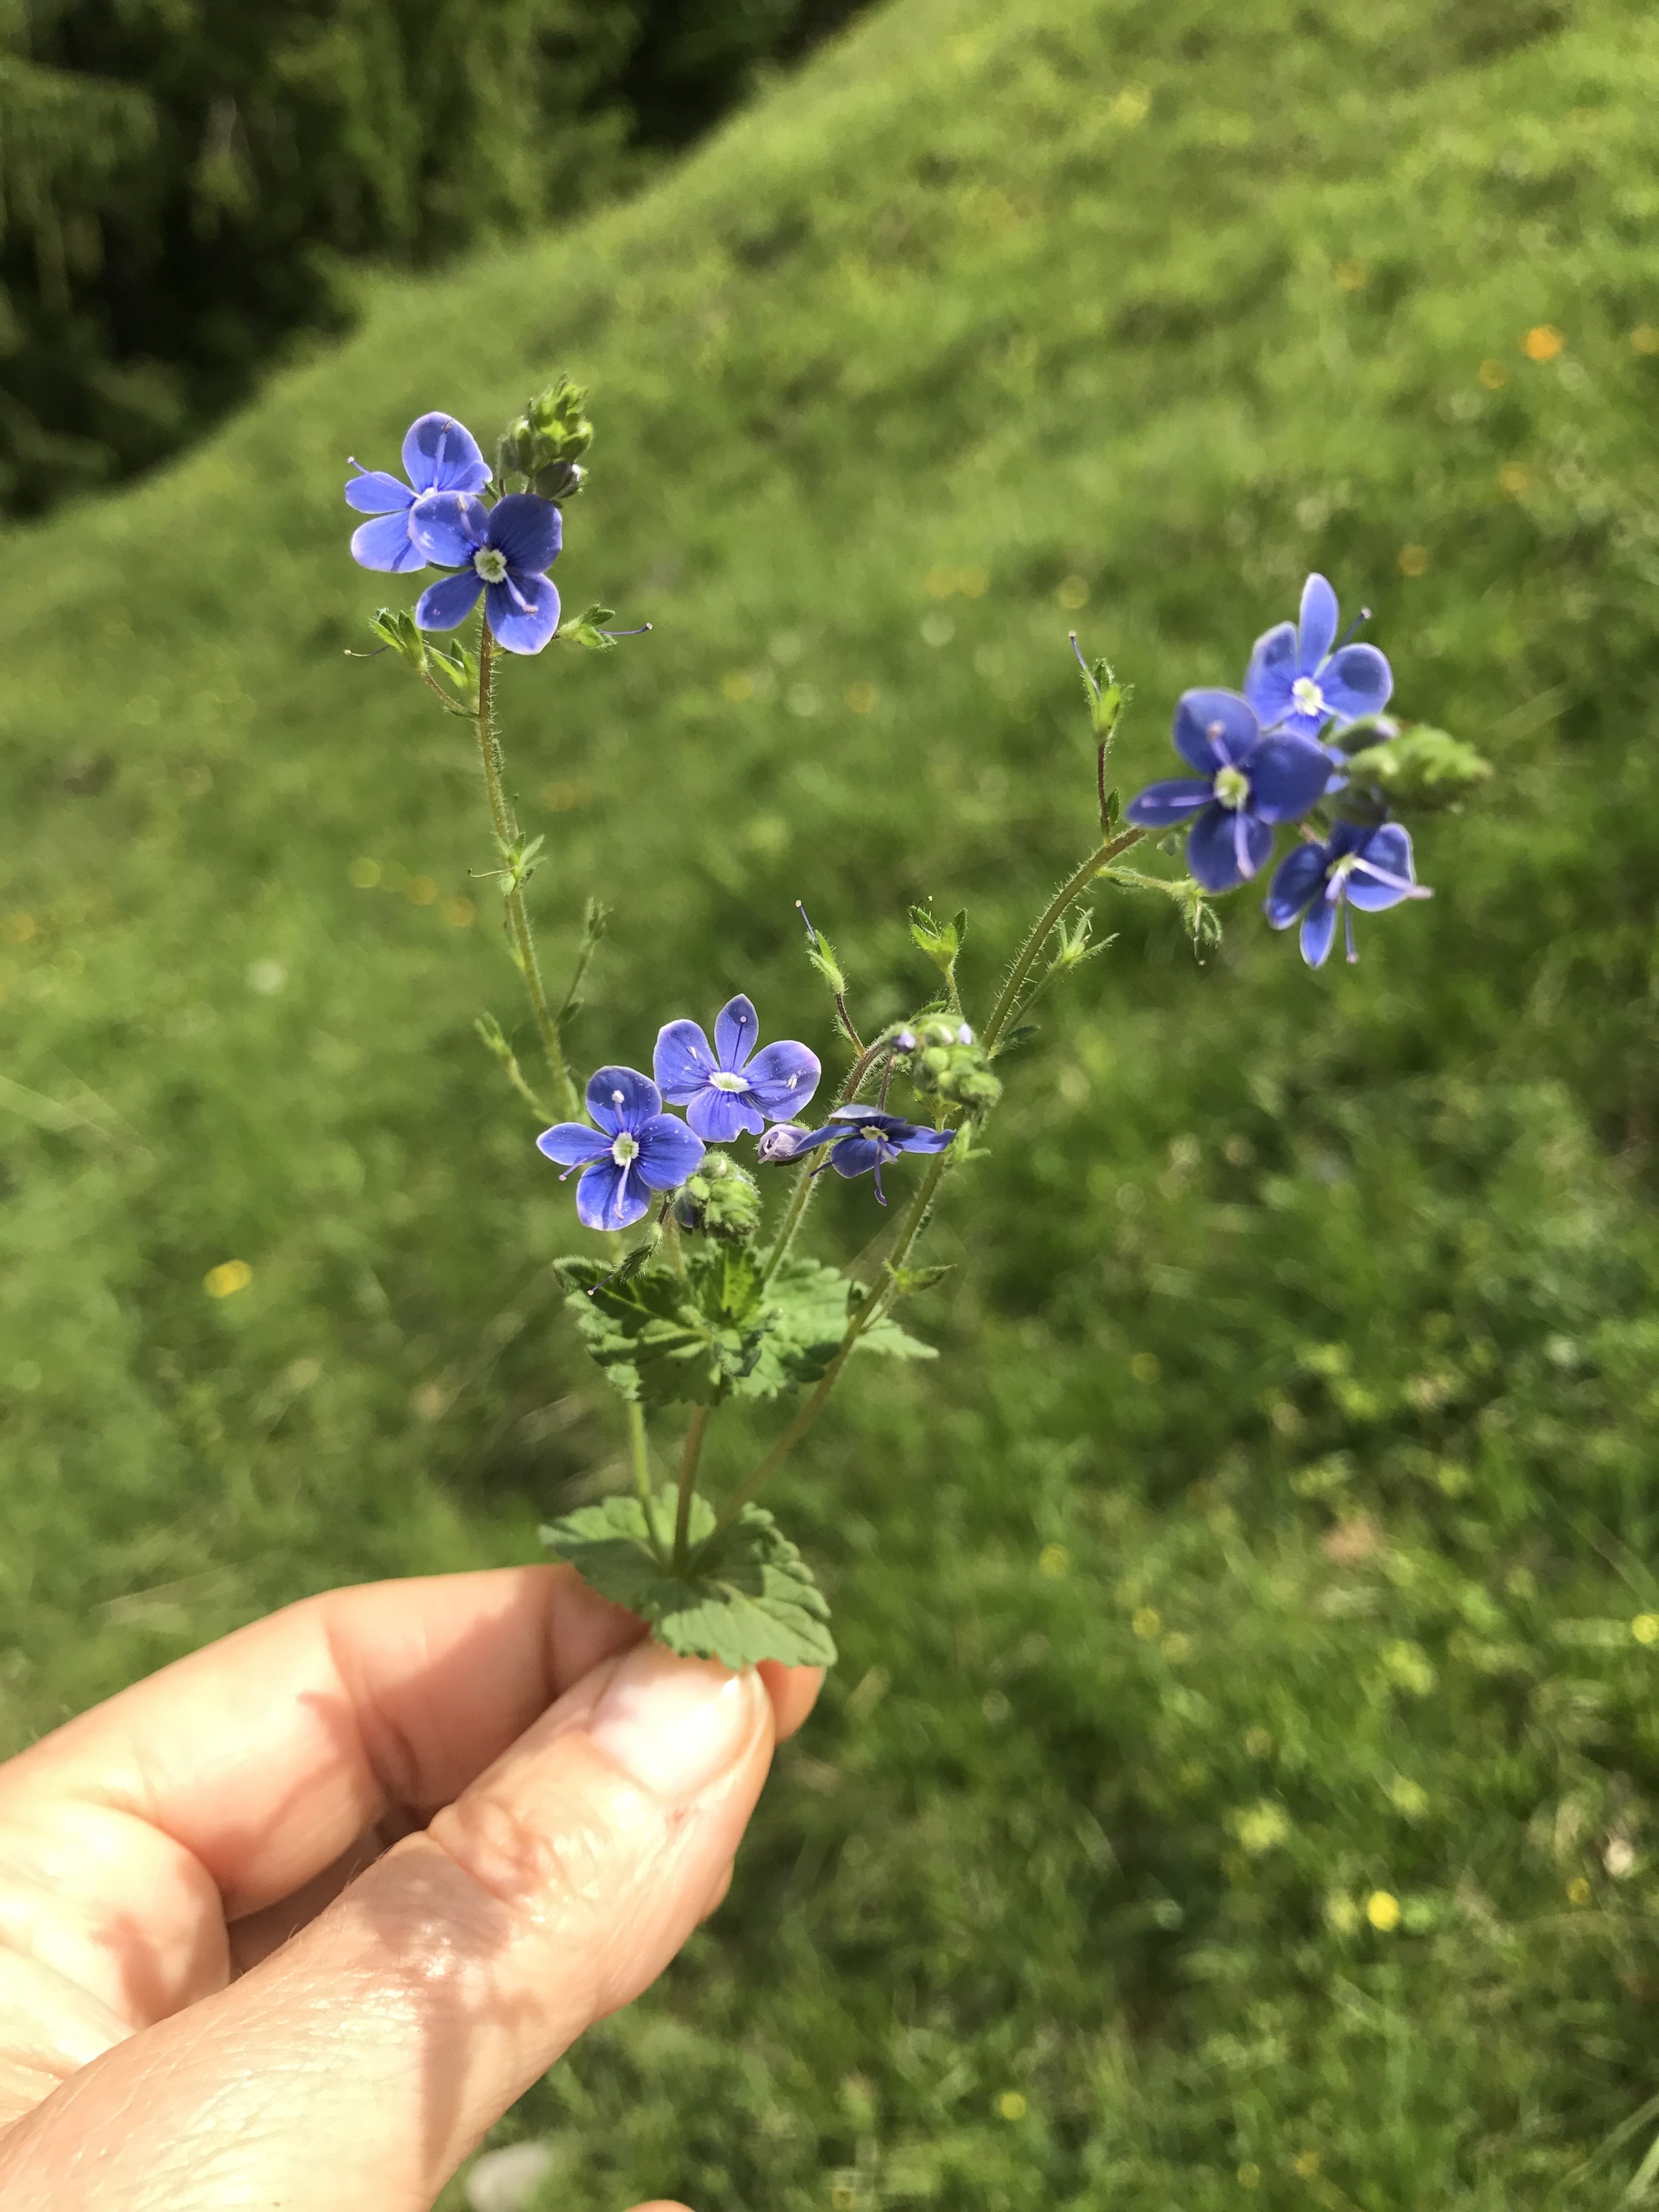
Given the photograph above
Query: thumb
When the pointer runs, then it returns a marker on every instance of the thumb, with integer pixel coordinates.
(355, 2068)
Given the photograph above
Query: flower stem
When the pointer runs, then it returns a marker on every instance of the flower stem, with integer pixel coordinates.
(1071, 890)
(641, 1451)
(696, 1431)
(506, 838)
(914, 1221)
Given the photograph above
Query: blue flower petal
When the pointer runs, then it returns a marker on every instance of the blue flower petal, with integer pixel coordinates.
(782, 1077)
(717, 1116)
(786, 1143)
(669, 1152)
(441, 454)
(447, 604)
(1356, 681)
(1271, 672)
(372, 492)
(385, 545)
(1161, 804)
(1287, 776)
(524, 612)
(1317, 931)
(1299, 877)
(527, 530)
(448, 527)
(1212, 728)
(1389, 850)
(737, 1029)
(1213, 850)
(682, 1061)
(611, 1197)
(573, 1143)
(620, 1099)
(1317, 626)
(857, 1154)
(928, 1140)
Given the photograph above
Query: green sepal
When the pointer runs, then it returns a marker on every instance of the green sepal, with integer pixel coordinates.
(1418, 767)
(395, 626)
(590, 628)
(744, 1595)
(941, 941)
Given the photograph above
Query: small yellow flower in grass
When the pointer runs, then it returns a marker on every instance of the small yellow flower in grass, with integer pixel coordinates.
(1515, 477)
(1249, 2175)
(1412, 560)
(862, 698)
(1644, 338)
(1012, 2105)
(20, 927)
(1382, 1910)
(940, 583)
(1145, 1366)
(460, 912)
(1307, 2164)
(1493, 376)
(842, 2197)
(226, 1278)
(1579, 1890)
(1260, 1827)
(421, 890)
(1072, 592)
(1146, 1622)
(1133, 106)
(1543, 342)
(365, 874)
(973, 583)
(1352, 275)
(1054, 1561)
(1645, 1628)
(737, 684)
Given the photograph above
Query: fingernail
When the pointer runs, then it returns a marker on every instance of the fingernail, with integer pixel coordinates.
(674, 1724)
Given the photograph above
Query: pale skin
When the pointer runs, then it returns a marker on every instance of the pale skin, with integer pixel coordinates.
(290, 1924)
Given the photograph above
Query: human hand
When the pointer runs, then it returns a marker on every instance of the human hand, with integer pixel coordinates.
(291, 1923)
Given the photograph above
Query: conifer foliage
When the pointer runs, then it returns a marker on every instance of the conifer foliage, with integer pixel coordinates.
(184, 184)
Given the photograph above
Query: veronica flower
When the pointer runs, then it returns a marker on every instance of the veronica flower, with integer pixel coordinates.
(1368, 868)
(439, 455)
(1249, 782)
(1297, 685)
(636, 1149)
(861, 1141)
(733, 1087)
(503, 551)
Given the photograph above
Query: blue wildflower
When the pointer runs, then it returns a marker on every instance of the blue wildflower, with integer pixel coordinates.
(1368, 868)
(503, 551)
(861, 1141)
(1297, 685)
(636, 1149)
(1251, 781)
(439, 455)
(733, 1087)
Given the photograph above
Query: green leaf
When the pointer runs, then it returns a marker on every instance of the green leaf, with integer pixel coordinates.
(743, 1596)
(646, 1331)
(591, 627)
(907, 1281)
(889, 1341)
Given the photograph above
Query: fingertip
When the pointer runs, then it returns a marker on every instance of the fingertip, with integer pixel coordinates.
(794, 1691)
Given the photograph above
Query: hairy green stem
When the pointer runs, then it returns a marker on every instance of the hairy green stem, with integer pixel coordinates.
(506, 838)
(914, 1221)
(696, 1429)
(1069, 892)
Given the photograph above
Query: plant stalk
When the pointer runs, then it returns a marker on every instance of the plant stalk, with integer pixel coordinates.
(506, 838)
(1069, 892)
(696, 1429)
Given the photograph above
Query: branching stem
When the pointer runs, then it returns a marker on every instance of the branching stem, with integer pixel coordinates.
(506, 838)
(1069, 892)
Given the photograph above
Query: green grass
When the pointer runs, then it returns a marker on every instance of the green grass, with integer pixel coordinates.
(1270, 1531)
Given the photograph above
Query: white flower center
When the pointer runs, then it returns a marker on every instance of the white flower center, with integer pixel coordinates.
(492, 564)
(1307, 697)
(1232, 788)
(625, 1150)
(723, 1079)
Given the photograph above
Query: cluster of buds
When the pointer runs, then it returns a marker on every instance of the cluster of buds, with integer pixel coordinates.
(942, 1060)
(720, 1200)
(542, 451)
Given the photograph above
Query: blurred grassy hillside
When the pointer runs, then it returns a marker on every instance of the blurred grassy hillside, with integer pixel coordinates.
(1238, 1784)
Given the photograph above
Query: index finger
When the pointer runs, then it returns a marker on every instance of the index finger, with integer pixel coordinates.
(266, 1755)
